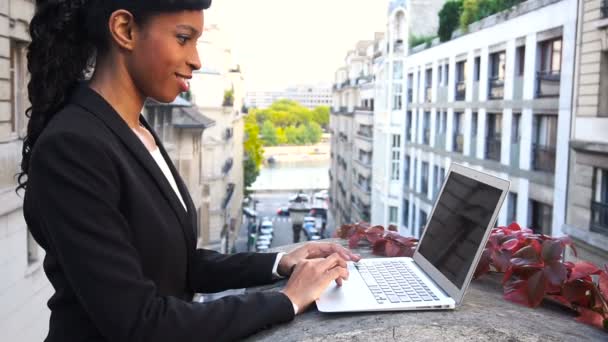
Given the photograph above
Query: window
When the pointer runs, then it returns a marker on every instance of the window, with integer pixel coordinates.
(603, 98)
(599, 203)
(408, 126)
(397, 96)
(520, 55)
(17, 120)
(493, 136)
(398, 70)
(541, 217)
(498, 65)
(423, 219)
(458, 132)
(512, 208)
(551, 56)
(406, 212)
(392, 215)
(395, 156)
(426, 129)
(406, 172)
(424, 186)
(477, 69)
(544, 142)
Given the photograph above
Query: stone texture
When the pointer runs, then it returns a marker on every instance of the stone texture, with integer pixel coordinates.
(484, 316)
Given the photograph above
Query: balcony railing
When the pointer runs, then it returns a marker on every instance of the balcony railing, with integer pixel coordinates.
(599, 217)
(496, 88)
(548, 83)
(458, 142)
(543, 158)
(365, 135)
(493, 146)
(428, 94)
(461, 89)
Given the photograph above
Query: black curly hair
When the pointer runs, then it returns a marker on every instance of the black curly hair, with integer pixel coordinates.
(67, 37)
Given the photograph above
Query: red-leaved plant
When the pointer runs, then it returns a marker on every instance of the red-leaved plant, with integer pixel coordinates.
(533, 265)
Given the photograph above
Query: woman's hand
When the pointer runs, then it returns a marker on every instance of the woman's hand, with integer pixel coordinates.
(313, 250)
(312, 276)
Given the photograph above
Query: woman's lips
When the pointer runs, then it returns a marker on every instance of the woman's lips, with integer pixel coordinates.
(183, 83)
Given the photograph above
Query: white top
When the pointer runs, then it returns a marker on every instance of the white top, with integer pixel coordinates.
(162, 163)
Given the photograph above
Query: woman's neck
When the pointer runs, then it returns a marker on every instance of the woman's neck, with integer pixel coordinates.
(113, 83)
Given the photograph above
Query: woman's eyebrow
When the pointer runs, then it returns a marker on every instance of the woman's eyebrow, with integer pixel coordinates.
(188, 27)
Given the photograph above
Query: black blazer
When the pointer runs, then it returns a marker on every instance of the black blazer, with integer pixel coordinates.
(120, 248)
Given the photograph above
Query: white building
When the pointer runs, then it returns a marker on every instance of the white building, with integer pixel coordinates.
(309, 96)
(351, 128)
(217, 91)
(24, 288)
(497, 98)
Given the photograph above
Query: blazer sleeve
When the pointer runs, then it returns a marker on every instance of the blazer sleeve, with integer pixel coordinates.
(76, 193)
(229, 271)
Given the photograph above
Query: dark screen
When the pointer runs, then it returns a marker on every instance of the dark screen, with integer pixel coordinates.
(457, 226)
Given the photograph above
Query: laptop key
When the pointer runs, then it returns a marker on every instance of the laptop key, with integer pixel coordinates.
(393, 298)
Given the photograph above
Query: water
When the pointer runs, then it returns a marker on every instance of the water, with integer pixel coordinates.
(293, 176)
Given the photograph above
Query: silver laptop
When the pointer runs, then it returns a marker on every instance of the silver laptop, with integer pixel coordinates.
(439, 273)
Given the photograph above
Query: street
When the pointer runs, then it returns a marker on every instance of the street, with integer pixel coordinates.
(267, 208)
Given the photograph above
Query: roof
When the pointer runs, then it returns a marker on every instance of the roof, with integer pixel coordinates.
(190, 117)
(178, 102)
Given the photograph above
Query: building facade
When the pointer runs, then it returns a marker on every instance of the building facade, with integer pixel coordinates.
(587, 200)
(497, 99)
(24, 288)
(217, 91)
(351, 127)
(309, 96)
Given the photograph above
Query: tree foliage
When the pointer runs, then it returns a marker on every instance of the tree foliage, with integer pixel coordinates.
(287, 122)
(475, 10)
(254, 153)
(449, 19)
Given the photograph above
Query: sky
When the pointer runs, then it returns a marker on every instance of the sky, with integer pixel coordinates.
(279, 43)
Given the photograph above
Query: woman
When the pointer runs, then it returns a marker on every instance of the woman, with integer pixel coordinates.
(104, 200)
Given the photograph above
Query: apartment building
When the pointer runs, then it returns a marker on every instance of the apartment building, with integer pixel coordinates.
(24, 288)
(587, 198)
(217, 91)
(405, 19)
(351, 127)
(498, 99)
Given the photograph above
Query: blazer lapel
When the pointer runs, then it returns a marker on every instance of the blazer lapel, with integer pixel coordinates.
(98, 106)
(181, 185)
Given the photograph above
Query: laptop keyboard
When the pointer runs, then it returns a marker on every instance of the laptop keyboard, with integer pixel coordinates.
(394, 282)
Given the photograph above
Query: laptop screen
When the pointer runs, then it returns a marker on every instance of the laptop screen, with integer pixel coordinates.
(457, 226)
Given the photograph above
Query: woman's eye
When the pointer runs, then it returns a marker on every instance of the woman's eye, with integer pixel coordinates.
(183, 39)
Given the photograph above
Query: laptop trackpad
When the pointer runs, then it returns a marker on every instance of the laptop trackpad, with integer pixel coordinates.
(353, 295)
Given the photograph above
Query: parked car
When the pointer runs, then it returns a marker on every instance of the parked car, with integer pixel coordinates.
(266, 228)
(303, 197)
(283, 211)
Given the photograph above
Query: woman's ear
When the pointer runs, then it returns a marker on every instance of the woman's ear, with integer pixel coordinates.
(122, 29)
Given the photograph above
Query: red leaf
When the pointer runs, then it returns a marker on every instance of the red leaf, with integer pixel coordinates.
(374, 233)
(583, 269)
(603, 284)
(555, 272)
(527, 253)
(536, 288)
(392, 228)
(514, 226)
(578, 292)
(515, 291)
(501, 260)
(592, 318)
(353, 241)
(378, 247)
(511, 245)
(552, 250)
(394, 249)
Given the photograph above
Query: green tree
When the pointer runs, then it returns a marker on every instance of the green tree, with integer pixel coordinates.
(269, 134)
(313, 132)
(291, 133)
(449, 19)
(281, 137)
(254, 153)
(321, 116)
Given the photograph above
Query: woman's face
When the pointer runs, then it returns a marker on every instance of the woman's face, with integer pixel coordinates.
(165, 55)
